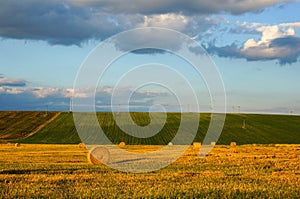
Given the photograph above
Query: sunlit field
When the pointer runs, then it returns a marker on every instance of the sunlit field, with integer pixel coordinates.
(56, 171)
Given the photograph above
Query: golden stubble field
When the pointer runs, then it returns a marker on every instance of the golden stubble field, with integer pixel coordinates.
(62, 171)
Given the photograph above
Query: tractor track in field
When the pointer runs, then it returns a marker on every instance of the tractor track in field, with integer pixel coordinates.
(43, 125)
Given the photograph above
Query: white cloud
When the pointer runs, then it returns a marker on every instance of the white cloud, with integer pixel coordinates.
(177, 22)
(291, 25)
(276, 42)
(44, 92)
(272, 32)
(263, 49)
(15, 91)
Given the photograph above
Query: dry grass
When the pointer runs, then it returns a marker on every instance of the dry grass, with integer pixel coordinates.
(61, 171)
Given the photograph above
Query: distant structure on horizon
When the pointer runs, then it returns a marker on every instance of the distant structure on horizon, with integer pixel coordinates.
(71, 105)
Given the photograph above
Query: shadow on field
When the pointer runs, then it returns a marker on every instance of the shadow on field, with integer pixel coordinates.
(38, 171)
(131, 160)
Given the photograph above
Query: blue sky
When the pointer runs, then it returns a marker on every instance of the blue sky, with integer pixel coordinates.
(255, 45)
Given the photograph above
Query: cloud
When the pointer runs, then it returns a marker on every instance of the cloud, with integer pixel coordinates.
(277, 42)
(153, 40)
(53, 21)
(45, 92)
(12, 82)
(12, 86)
(169, 20)
(73, 22)
(147, 7)
(16, 97)
(231, 51)
(293, 25)
(15, 94)
(289, 45)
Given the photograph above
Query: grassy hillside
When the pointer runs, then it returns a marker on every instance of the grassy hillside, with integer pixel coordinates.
(59, 131)
(259, 129)
(16, 124)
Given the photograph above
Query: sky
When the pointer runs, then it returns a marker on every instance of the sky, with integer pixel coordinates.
(255, 46)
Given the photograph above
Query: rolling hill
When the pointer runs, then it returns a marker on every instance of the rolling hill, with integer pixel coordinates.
(16, 124)
(59, 128)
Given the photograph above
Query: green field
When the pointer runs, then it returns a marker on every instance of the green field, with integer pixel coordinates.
(62, 171)
(15, 125)
(260, 129)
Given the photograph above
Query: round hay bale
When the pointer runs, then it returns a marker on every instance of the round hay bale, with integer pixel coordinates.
(81, 145)
(232, 144)
(122, 144)
(99, 155)
(213, 143)
(170, 144)
(197, 145)
(17, 145)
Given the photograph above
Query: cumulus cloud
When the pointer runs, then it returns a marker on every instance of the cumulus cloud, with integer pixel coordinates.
(277, 42)
(76, 21)
(268, 47)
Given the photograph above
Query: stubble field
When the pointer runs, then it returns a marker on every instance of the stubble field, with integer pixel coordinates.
(62, 171)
